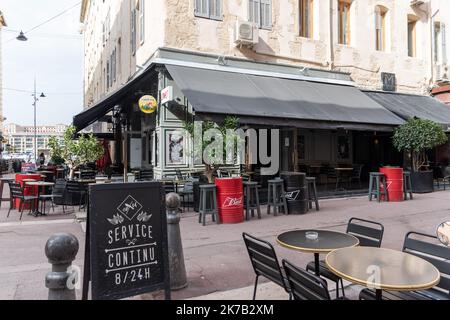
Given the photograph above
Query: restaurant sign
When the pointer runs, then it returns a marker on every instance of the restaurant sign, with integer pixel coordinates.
(126, 241)
(148, 104)
(389, 81)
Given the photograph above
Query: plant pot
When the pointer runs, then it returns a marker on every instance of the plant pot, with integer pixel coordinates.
(422, 181)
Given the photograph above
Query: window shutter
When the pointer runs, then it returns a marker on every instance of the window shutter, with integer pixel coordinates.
(266, 14)
(254, 11)
(444, 44)
(202, 8)
(215, 9)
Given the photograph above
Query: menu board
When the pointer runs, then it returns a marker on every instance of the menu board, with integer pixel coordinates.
(127, 240)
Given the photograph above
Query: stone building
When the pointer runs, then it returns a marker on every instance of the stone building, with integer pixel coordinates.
(138, 47)
(2, 24)
(20, 139)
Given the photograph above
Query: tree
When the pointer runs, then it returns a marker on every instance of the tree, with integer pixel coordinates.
(417, 136)
(224, 129)
(75, 152)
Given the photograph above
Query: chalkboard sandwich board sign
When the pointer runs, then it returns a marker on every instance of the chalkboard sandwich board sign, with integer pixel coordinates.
(127, 237)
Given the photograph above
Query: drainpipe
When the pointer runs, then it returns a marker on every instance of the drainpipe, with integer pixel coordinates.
(330, 39)
(432, 57)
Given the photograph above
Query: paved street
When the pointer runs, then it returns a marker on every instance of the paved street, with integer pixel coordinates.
(216, 261)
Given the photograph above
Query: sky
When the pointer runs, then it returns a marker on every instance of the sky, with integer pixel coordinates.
(53, 54)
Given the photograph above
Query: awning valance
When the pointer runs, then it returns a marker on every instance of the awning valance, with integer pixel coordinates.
(409, 106)
(101, 108)
(283, 101)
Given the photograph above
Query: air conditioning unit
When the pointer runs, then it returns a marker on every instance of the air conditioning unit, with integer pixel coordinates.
(246, 33)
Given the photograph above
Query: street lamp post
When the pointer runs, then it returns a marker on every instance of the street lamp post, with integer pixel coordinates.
(35, 127)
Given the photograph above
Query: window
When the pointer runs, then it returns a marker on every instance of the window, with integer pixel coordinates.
(412, 22)
(344, 21)
(133, 31)
(141, 21)
(380, 28)
(440, 50)
(306, 18)
(260, 12)
(211, 9)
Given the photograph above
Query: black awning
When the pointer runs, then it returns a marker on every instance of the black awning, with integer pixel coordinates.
(408, 106)
(99, 110)
(259, 98)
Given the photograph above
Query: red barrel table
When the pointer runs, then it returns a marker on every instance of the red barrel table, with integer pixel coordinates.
(230, 199)
(28, 191)
(394, 183)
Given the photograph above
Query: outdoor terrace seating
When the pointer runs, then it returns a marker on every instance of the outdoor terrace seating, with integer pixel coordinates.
(369, 233)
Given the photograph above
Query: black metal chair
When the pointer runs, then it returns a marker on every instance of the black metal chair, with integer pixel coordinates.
(265, 263)
(78, 190)
(305, 285)
(57, 193)
(145, 175)
(186, 194)
(369, 234)
(356, 174)
(87, 174)
(427, 247)
(17, 193)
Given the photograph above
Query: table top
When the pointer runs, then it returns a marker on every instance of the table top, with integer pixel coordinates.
(398, 271)
(327, 241)
(44, 172)
(344, 169)
(39, 183)
(28, 180)
(86, 180)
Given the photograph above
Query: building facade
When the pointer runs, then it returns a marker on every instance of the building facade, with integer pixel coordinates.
(2, 24)
(388, 45)
(20, 139)
(364, 38)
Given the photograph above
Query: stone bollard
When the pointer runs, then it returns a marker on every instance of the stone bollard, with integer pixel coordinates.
(61, 249)
(176, 258)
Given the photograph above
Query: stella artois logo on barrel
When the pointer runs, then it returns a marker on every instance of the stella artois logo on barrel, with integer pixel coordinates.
(148, 104)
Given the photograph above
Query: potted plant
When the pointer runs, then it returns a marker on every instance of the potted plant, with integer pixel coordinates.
(415, 137)
(75, 152)
(229, 125)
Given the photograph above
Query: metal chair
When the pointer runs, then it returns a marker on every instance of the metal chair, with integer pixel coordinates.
(187, 192)
(208, 204)
(407, 186)
(305, 285)
(145, 175)
(265, 263)
(427, 247)
(378, 180)
(17, 193)
(78, 189)
(356, 174)
(369, 234)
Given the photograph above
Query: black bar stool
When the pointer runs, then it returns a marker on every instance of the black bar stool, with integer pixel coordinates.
(251, 199)
(275, 196)
(378, 179)
(208, 203)
(407, 185)
(312, 193)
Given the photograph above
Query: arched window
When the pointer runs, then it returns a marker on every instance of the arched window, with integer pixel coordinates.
(380, 28)
(344, 21)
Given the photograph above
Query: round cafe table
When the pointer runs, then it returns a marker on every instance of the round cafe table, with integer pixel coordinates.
(383, 269)
(326, 242)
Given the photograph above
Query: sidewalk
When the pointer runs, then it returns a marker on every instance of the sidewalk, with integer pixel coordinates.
(216, 260)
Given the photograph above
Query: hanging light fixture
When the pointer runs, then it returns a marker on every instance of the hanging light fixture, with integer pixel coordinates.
(42, 95)
(21, 37)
